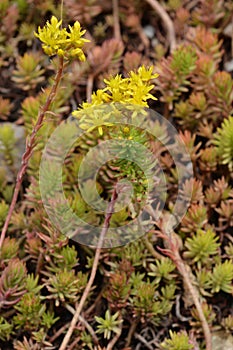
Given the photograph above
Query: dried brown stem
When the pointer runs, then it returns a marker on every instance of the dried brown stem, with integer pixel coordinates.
(87, 289)
(30, 144)
(58, 333)
(84, 322)
(167, 22)
(117, 29)
(173, 253)
(143, 341)
(90, 81)
(131, 332)
(185, 274)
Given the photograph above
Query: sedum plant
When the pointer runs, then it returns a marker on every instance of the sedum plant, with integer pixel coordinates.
(7, 143)
(12, 283)
(29, 72)
(223, 140)
(222, 277)
(5, 107)
(31, 313)
(174, 73)
(137, 285)
(3, 212)
(109, 324)
(177, 341)
(202, 246)
(6, 329)
(59, 41)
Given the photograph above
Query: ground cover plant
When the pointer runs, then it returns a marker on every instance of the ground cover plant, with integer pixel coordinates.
(137, 253)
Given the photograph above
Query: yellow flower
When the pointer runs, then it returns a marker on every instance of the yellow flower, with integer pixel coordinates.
(133, 91)
(99, 97)
(58, 41)
(143, 74)
(126, 130)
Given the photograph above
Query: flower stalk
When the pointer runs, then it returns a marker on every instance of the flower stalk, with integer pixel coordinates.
(30, 145)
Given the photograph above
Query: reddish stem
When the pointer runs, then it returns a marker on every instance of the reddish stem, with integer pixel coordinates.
(86, 292)
(30, 144)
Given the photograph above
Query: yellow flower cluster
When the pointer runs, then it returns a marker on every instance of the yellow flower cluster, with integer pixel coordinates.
(132, 90)
(59, 41)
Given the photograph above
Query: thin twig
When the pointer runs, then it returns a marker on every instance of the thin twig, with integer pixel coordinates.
(89, 328)
(143, 341)
(58, 333)
(151, 249)
(93, 305)
(173, 253)
(178, 314)
(185, 274)
(86, 292)
(85, 323)
(167, 22)
(30, 144)
(90, 81)
(72, 345)
(117, 29)
(131, 332)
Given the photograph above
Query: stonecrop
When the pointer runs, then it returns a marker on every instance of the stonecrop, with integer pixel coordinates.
(132, 90)
(58, 41)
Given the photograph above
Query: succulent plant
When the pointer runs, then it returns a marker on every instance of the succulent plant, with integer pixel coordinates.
(223, 140)
(29, 72)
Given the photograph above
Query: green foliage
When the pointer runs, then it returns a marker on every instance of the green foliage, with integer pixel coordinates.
(118, 290)
(201, 246)
(65, 258)
(227, 323)
(136, 284)
(3, 212)
(31, 313)
(195, 218)
(5, 107)
(177, 341)
(223, 140)
(148, 304)
(31, 106)
(134, 252)
(65, 285)
(168, 292)
(183, 62)
(204, 282)
(162, 270)
(6, 329)
(9, 249)
(29, 72)
(208, 313)
(86, 340)
(32, 284)
(229, 250)
(222, 277)
(7, 143)
(174, 73)
(12, 283)
(109, 324)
